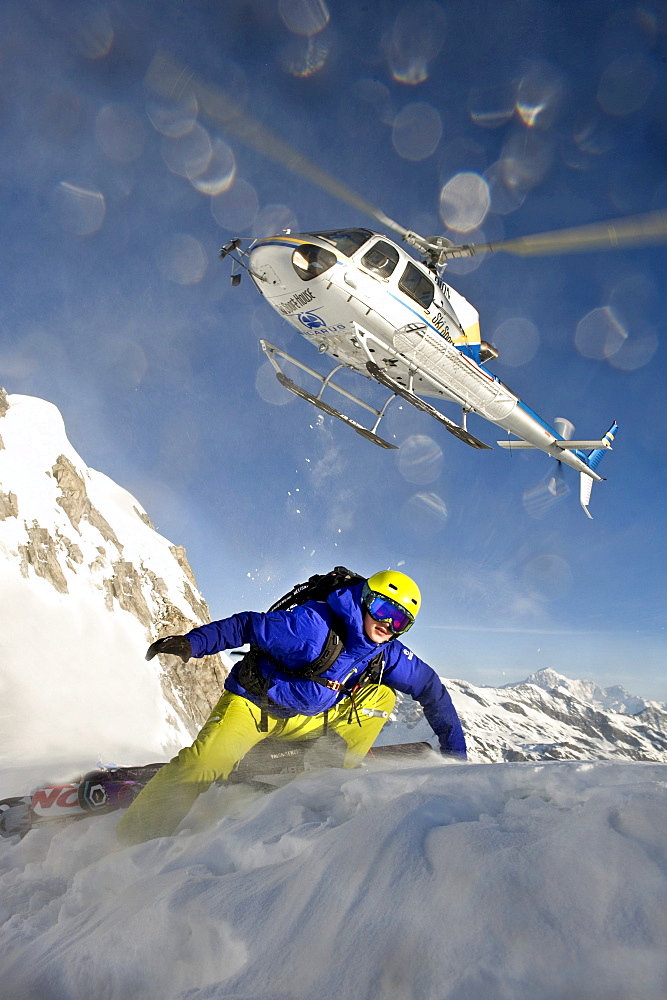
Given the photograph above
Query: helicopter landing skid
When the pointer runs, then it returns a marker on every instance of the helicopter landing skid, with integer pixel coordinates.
(460, 432)
(316, 400)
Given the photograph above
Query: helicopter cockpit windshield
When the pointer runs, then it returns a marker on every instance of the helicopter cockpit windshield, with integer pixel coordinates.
(347, 241)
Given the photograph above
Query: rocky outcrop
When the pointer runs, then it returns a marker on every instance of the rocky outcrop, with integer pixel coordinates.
(8, 506)
(40, 553)
(93, 544)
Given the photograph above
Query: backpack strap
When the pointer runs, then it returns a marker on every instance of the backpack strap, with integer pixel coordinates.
(251, 678)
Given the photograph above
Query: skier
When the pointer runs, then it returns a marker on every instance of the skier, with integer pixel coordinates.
(321, 666)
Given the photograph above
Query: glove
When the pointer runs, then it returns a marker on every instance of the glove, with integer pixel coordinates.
(175, 645)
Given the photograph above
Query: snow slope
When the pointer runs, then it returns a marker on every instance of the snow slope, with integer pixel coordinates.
(443, 881)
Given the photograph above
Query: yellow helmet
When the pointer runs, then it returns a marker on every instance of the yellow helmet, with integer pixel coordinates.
(388, 593)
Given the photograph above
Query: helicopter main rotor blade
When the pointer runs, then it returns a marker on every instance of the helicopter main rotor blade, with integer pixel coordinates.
(172, 79)
(635, 231)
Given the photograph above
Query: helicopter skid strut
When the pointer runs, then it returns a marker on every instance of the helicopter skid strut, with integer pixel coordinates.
(369, 433)
(460, 432)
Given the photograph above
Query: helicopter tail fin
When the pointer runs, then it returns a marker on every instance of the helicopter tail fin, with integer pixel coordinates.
(593, 459)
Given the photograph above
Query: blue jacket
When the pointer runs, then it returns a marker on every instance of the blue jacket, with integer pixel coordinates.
(296, 637)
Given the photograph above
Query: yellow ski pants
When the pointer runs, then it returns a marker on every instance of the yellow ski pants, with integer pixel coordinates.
(231, 730)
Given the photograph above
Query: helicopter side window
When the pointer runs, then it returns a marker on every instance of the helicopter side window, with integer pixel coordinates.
(381, 258)
(417, 286)
(310, 261)
(347, 241)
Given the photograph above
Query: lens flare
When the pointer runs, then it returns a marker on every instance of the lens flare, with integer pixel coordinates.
(219, 174)
(182, 259)
(626, 84)
(235, 209)
(420, 459)
(304, 17)
(517, 340)
(464, 202)
(120, 133)
(188, 155)
(416, 38)
(417, 131)
(81, 209)
(599, 334)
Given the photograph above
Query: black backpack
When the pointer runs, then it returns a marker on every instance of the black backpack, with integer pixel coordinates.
(316, 588)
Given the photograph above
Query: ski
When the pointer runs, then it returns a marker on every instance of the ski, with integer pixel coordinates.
(104, 790)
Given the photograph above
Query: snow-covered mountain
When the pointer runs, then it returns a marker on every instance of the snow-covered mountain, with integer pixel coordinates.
(547, 717)
(86, 583)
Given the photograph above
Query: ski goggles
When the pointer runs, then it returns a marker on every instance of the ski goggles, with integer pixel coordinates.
(382, 609)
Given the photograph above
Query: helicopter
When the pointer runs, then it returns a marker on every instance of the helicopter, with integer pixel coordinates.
(360, 298)
(357, 296)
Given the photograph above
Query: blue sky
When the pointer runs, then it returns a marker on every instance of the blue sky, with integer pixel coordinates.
(115, 307)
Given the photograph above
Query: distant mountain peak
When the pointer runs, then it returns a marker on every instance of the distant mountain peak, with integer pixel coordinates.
(612, 699)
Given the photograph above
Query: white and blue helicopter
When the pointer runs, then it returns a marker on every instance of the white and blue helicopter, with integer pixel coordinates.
(358, 297)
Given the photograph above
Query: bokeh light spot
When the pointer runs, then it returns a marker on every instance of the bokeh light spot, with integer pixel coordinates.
(302, 57)
(538, 500)
(636, 351)
(188, 155)
(548, 573)
(182, 259)
(235, 209)
(525, 160)
(626, 84)
(304, 17)
(272, 219)
(517, 340)
(504, 199)
(124, 362)
(416, 37)
(599, 334)
(539, 95)
(425, 513)
(94, 34)
(417, 131)
(376, 96)
(119, 133)
(491, 107)
(174, 119)
(81, 209)
(464, 202)
(269, 388)
(219, 174)
(420, 459)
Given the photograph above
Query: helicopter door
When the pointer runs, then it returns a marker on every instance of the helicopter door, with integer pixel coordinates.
(415, 284)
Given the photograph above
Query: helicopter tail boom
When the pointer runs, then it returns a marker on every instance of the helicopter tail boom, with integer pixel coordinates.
(591, 461)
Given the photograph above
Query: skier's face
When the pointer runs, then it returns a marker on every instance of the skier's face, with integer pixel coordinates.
(376, 631)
